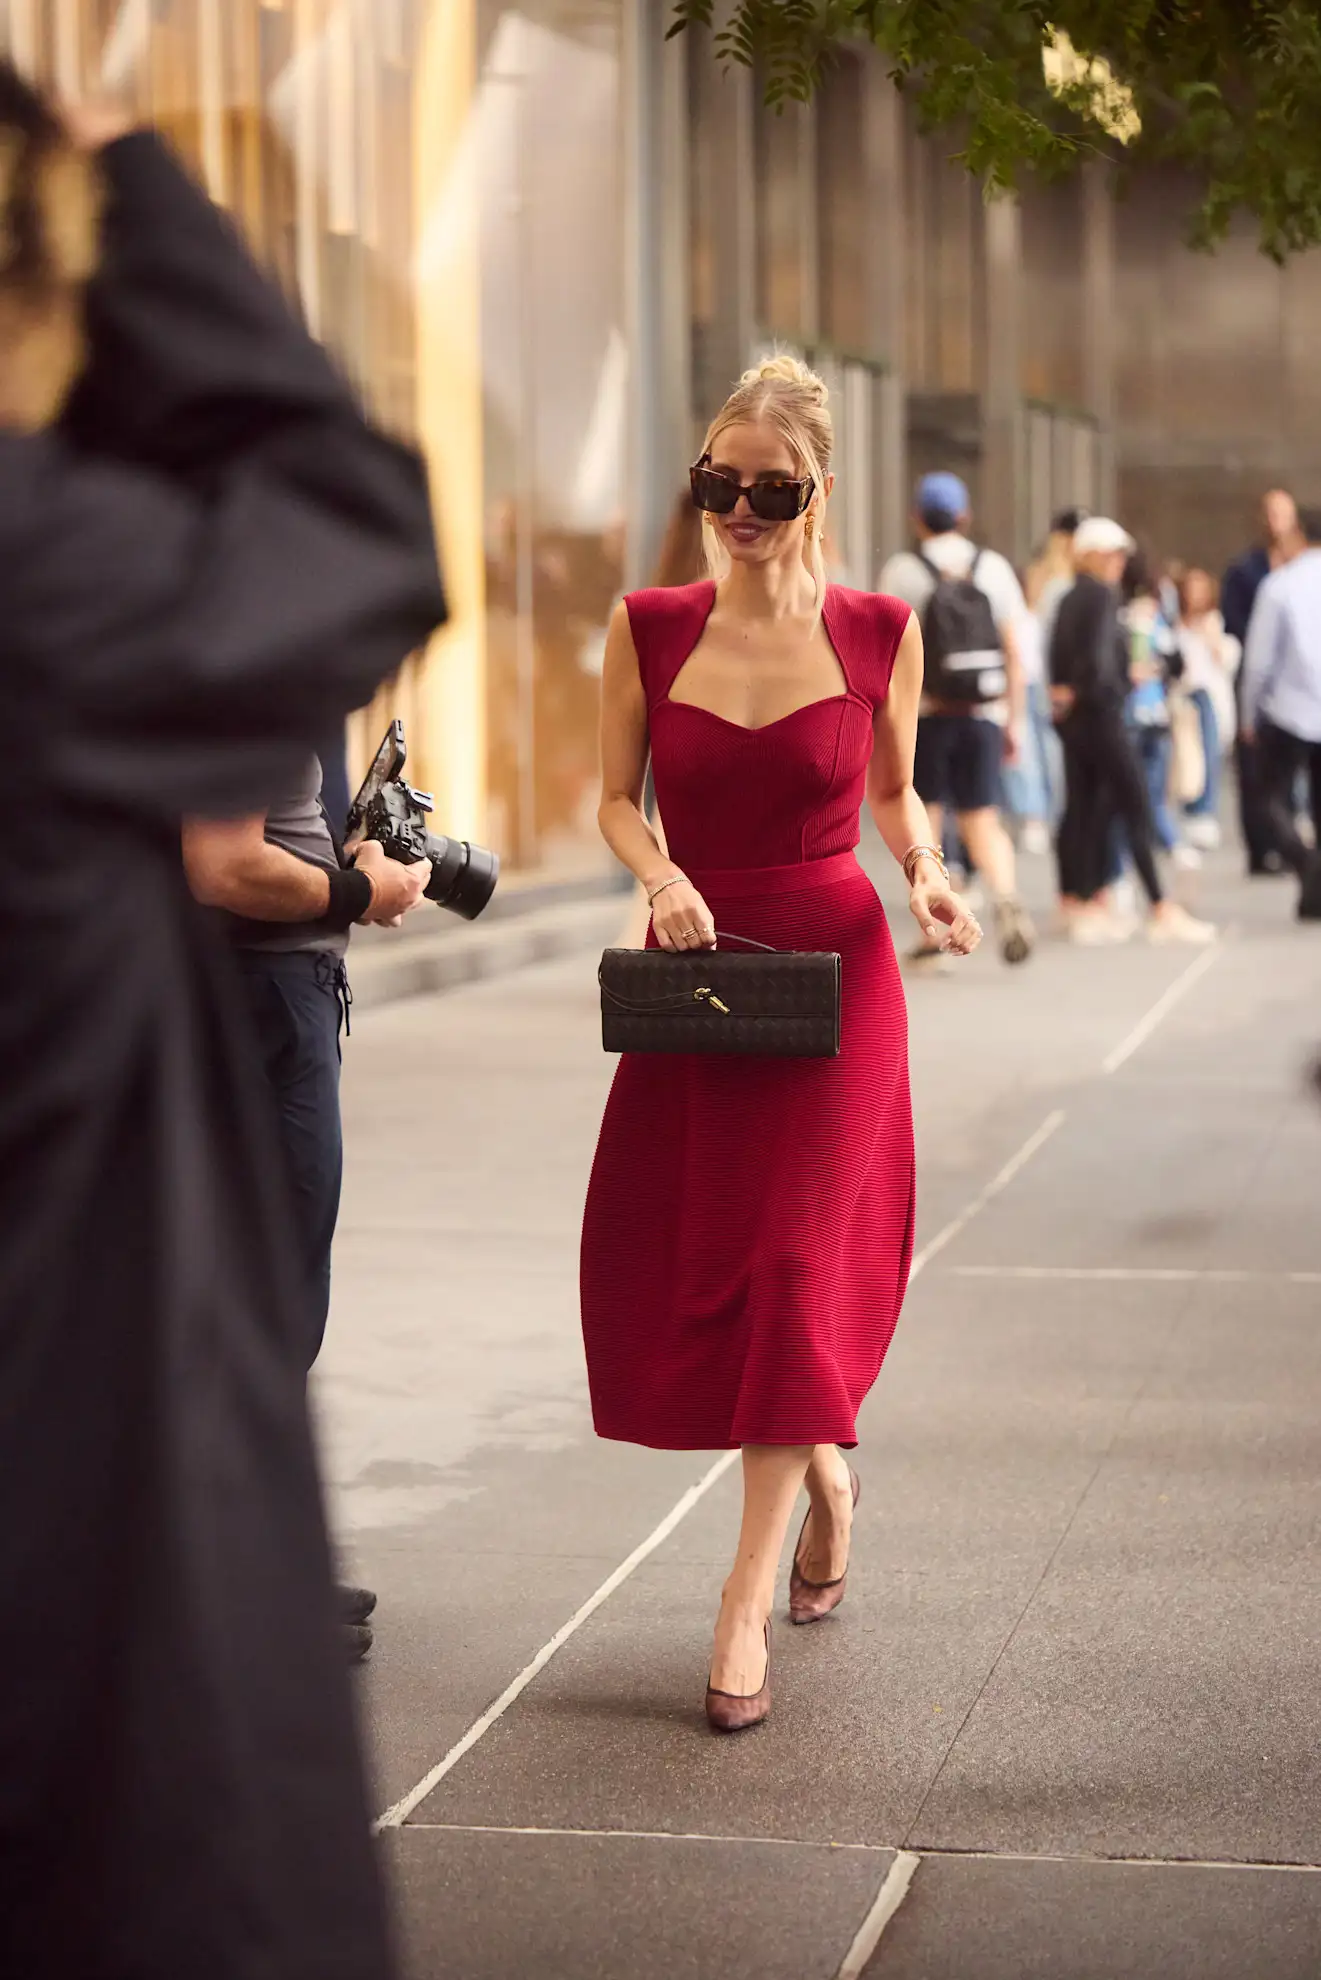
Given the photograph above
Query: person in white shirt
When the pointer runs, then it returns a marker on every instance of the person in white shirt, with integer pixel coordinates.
(1281, 698)
(963, 743)
(1210, 659)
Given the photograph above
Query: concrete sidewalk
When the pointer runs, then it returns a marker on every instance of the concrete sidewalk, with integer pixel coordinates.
(525, 923)
(1073, 1693)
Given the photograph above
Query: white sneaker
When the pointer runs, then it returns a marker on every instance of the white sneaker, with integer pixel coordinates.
(1036, 838)
(1095, 929)
(1123, 898)
(1203, 832)
(1186, 858)
(1173, 923)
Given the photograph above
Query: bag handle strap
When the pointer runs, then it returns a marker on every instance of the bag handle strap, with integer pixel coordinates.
(680, 1000)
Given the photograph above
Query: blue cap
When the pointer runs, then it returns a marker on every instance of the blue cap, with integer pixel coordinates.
(941, 500)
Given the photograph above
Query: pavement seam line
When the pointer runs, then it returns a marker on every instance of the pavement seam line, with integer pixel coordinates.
(400, 1810)
(998, 1183)
(645, 1835)
(933, 1852)
(929, 1853)
(398, 1813)
(891, 1895)
(1162, 1007)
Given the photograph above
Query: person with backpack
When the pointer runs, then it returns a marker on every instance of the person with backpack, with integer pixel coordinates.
(970, 603)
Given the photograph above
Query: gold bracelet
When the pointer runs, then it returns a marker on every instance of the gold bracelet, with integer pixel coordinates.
(912, 856)
(674, 880)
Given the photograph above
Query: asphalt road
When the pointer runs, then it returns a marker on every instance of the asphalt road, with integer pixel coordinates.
(1065, 1725)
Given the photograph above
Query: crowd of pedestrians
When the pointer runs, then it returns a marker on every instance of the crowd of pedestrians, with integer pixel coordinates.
(1093, 702)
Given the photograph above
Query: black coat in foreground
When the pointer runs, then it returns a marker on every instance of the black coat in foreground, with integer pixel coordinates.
(209, 562)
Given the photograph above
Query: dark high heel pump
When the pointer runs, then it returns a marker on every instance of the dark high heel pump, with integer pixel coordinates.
(727, 1712)
(809, 1601)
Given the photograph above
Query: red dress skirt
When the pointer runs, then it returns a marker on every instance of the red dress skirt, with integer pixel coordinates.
(748, 1227)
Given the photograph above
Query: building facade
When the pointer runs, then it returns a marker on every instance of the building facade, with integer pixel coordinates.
(544, 241)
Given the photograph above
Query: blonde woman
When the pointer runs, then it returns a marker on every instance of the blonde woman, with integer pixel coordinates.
(749, 1222)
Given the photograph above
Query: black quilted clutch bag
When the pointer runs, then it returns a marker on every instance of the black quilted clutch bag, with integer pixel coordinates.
(776, 1004)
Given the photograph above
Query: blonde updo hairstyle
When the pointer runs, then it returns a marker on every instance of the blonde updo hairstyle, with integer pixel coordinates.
(789, 396)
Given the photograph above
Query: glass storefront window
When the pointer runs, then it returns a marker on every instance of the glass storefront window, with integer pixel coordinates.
(437, 183)
(555, 400)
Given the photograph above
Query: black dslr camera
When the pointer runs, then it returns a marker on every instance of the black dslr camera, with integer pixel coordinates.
(386, 809)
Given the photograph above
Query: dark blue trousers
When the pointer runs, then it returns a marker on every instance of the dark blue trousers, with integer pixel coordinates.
(297, 1004)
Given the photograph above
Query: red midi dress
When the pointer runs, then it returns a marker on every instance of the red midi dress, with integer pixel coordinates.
(749, 1222)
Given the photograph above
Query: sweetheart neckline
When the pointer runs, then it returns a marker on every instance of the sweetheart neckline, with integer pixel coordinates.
(745, 729)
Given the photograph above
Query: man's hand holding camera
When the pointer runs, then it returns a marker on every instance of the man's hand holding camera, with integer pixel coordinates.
(396, 888)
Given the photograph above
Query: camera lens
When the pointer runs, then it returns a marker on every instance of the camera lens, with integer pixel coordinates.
(463, 877)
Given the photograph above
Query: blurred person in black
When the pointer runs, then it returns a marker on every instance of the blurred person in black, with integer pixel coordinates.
(1104, 781)
(209, 557)
(1280, 542)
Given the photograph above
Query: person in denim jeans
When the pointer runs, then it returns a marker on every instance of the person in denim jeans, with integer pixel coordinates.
(1210, 660)
(1154, 661)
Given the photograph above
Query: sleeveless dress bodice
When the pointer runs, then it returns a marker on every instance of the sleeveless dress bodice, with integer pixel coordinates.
(778, 795)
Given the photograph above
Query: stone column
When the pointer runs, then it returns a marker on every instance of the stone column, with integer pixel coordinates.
(726, 98)
(886, 252)
(1002, 523)
(808, 230)
(657, 308)
(1098, 282)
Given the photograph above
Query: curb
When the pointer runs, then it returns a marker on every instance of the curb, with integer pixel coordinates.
(385, 973)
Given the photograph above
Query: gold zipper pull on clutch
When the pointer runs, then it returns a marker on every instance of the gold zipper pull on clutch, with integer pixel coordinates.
(706, 995)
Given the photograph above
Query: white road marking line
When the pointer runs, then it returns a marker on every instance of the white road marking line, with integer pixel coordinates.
(888, 1900)
(402, 1809)
(1138, 1274)
(997, 1184)
(642, 1835)
(1162, 1007)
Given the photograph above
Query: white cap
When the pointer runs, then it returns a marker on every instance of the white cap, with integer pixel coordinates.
(1098, 535)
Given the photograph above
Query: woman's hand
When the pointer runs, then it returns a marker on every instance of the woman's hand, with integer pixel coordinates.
(682, 919)
(934, 905)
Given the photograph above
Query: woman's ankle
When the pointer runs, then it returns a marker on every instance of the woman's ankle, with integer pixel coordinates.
(739, 1605)
(828, 1481)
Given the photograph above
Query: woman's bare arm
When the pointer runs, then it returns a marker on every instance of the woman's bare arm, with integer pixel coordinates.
(679, 914)
(901, 817)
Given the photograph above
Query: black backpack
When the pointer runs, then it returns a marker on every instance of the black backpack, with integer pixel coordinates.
(965, 659)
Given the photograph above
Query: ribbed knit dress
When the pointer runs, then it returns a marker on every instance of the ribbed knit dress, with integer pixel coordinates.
(748, 1227)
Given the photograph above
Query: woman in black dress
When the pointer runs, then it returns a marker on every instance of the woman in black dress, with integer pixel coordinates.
(207, 557)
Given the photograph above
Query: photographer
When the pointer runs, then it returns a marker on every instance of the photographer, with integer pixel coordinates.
(289, 901)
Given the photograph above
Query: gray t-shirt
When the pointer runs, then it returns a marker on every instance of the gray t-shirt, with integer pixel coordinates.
(297, 824)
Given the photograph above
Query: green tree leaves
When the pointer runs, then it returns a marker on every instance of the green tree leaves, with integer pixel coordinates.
(1231, 89)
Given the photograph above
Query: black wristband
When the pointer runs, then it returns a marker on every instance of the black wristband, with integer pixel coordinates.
(350, 898)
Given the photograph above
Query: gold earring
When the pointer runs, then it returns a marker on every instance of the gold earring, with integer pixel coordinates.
(809, 527)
